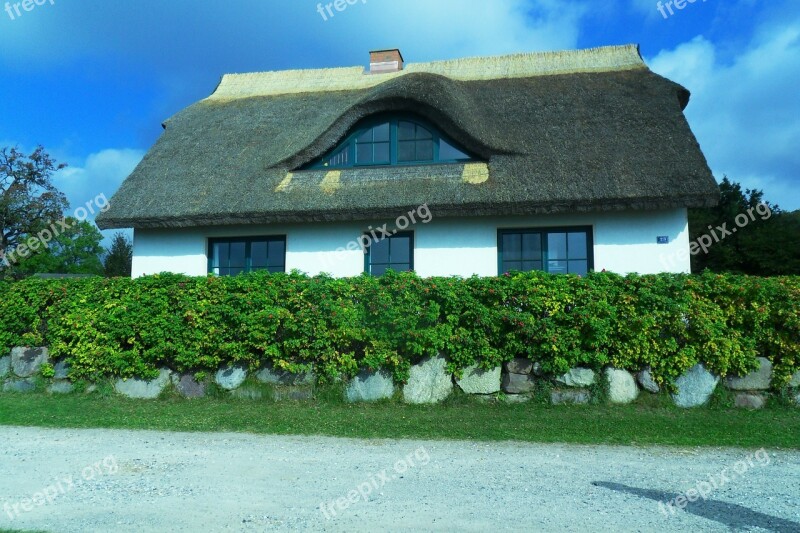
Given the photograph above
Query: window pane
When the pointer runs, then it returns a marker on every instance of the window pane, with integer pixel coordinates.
(512, 247)
(340, 159)
(527, 266)
(258, 254)
(557, 267)
(381, 133)
(577, 245)
(379, 251)
(405, 151)
(579, 267)
(381, 153)
(423, 134)
(405, 131)
(220, 254)
(236, 271)
(364, 153)
(393, 253)
(424, 151)
(400, 267)
(365, 137)
(224, 271)
(509, 266)
(400, 249)
(277, 254)
(532, 246)
(557, 246)
(237, 254)
(448, 152)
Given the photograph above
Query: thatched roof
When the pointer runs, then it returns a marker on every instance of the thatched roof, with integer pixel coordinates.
(568, 131)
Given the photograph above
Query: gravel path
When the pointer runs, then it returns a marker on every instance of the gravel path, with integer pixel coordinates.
(102, 480)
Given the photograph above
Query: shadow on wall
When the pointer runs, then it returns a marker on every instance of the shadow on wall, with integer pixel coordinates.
(736, 517)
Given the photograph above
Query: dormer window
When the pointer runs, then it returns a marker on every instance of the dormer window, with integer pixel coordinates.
(414, 143)
(373, 146)
(393, 140)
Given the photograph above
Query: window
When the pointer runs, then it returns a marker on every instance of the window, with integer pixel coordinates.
(414, 143)
(229, 257)
(373, 145)
(557, 251)
(392, 140)
(395, 253)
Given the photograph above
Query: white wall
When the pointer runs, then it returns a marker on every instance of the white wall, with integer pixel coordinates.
(623, 242)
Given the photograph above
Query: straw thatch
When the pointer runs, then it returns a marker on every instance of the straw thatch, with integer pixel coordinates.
(606, 59)
(575, 131)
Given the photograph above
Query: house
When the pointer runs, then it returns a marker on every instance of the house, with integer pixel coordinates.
(563, 161)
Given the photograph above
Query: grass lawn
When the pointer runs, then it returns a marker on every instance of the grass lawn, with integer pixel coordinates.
(651, 421)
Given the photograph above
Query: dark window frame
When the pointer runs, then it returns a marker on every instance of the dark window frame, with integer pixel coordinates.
(367, 251)
(544, 232)
(248, 242)
(349, 145)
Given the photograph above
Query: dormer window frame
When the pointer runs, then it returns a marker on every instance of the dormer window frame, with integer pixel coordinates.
(351, 151)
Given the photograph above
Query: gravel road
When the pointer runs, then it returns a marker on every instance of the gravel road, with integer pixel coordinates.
(104, 480)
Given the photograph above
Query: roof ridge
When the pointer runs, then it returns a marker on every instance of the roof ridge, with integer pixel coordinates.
(519, 65)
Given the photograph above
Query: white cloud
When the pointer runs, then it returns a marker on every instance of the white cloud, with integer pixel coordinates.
(101, 174)
(253, 31)
(445, 29)
(745, 111)
(648, 7)
(205, 40)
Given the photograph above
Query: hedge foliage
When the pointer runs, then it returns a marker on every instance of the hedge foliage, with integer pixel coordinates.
(123, 328)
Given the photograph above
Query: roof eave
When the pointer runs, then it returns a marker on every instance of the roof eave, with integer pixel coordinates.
(448, 211)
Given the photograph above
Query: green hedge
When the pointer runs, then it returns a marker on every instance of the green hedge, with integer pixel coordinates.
(122, 327)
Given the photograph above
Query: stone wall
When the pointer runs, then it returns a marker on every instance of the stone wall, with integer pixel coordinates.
(519, 380)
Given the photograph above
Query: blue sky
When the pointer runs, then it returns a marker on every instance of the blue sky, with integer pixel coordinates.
(92, 80)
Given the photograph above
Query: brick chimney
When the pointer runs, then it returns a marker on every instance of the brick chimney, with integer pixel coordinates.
(381, 61)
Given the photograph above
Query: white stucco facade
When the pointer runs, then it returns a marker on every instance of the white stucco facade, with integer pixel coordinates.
(624, 242)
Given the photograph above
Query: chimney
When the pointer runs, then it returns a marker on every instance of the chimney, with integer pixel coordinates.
(382, 61)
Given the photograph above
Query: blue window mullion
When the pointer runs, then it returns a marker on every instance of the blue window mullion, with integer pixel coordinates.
(351, 149)
(248, 256)
(545, 251)
(412, 247)
(393, 143)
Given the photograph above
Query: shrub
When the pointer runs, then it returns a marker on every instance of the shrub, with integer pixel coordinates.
(122, 328)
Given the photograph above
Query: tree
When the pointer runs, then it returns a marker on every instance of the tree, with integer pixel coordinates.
(75, 250)
(119, 259)
(767, 245)
(773, 248)
(29, 201)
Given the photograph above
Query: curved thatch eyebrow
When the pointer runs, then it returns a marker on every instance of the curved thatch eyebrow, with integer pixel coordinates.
(605, 59)
(564, 132)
